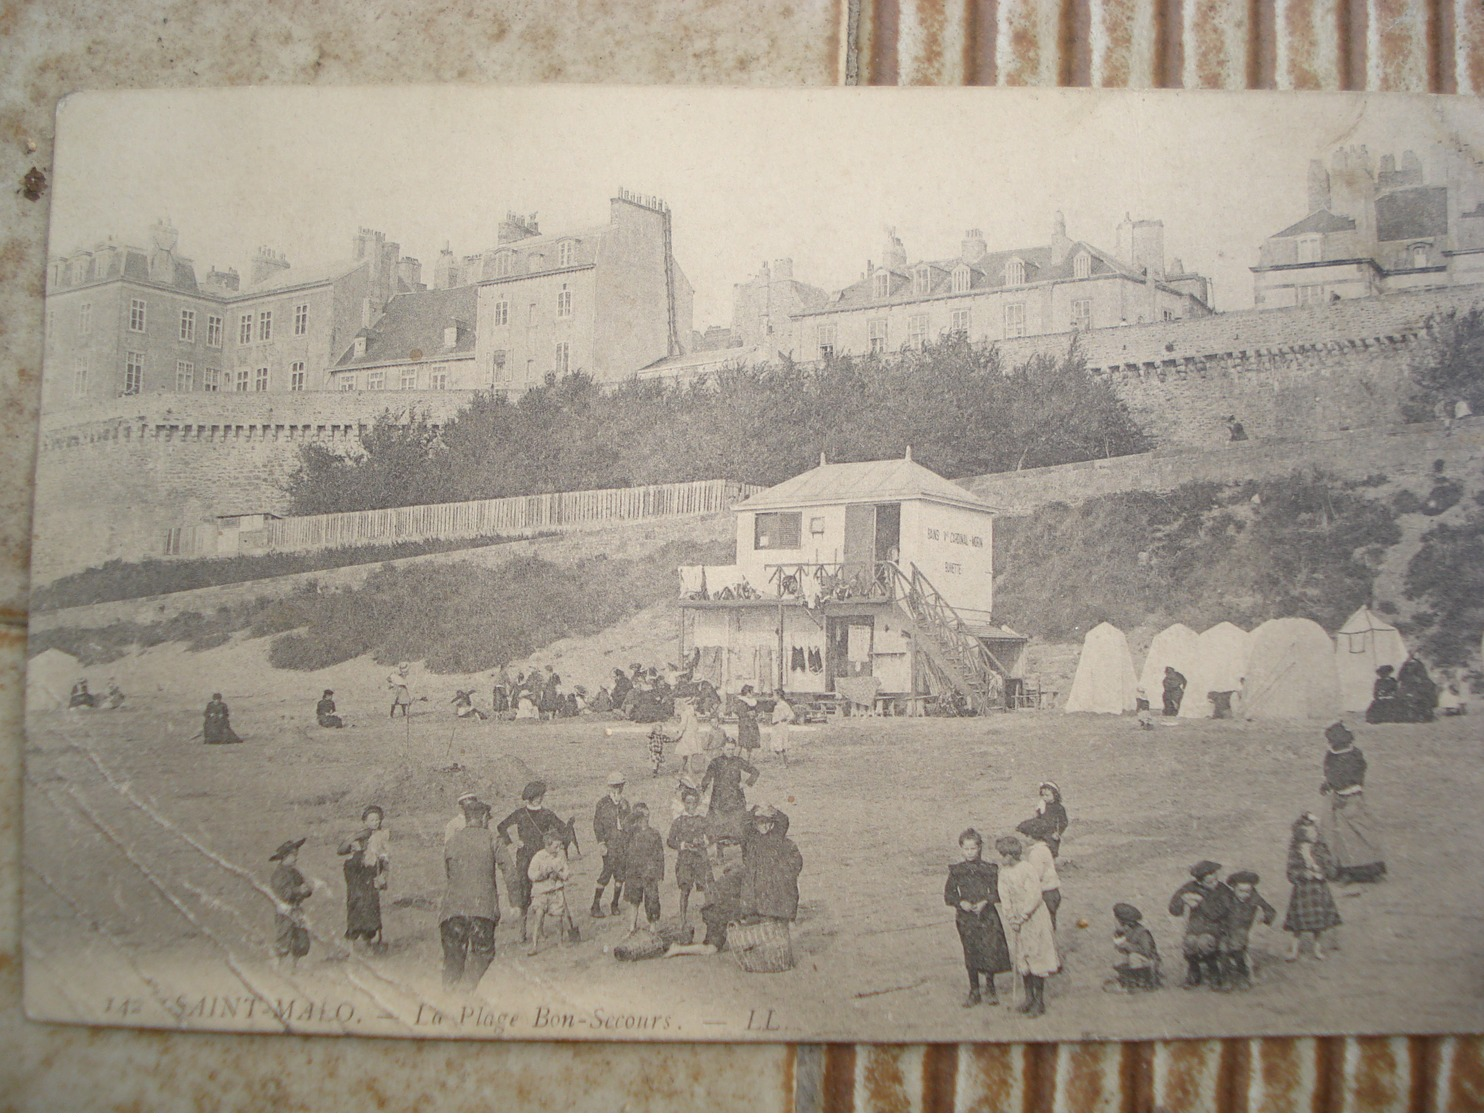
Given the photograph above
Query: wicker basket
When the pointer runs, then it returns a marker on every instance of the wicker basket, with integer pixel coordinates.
(761, 947)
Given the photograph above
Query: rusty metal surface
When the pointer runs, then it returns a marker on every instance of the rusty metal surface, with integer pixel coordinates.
(49, 48)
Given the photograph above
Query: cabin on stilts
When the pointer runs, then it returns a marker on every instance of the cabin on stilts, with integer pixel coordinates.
(866, 585)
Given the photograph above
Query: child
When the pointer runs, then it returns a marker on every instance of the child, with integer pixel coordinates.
(548, 874)
(1247, 906)
(1209, 904)
(1032, 940)
(688, 837)
(290, 890)
(1311, 906)
(644, 868)
(1050, 808)
(778, 733)
(657, 742)
(1137, 970)
(362, 900)
(972, 892)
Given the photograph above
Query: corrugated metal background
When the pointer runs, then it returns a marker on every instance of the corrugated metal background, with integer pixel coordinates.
(49, 47)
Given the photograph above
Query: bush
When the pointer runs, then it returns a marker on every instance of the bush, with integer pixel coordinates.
(1446, 577)
(1404, 502)
(1444, 495)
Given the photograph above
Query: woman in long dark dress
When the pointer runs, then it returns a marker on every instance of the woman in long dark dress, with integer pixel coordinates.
(972, 891)
(1416, 691)
(1311, 905)
(217, 728)
(362, 899)
(749, 738)
(1385, 706)
(1352, 833)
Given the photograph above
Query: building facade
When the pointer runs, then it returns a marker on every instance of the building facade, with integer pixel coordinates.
(423, 341)
(124, 321)
(1374, 228)
(1058, 287)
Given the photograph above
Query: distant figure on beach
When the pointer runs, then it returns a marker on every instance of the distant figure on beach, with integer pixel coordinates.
(401, 696)
(1352, 835)
(1236, 430)
(1173, 692)
(1137, 968)
(1051, 809)
(217, 728)
(1416, 692)
(362, 898)
(290, 890)
(81, 697)
(113, 698)
(324, 712)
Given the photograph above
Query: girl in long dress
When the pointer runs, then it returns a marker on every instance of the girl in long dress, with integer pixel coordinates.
(1311, 905)
(749, 739)
(1050, 808)
(1351, 833)
(1028, 925)
(216, 727)
(972, 890)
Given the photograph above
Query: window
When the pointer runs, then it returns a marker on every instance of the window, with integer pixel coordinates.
(375, 380)
(185, 376)
(1310, 294)
(776, 531)
(504, 263)
(502, 313)
(1082, 265)
(564, 302)
(1081, 314)
(242, 378)
(881, 284)
(409, 379)
(188, 325)
(961, 279)
(876, 335)
(826, 342)
(260, 382)
(1309, 248)
(348, 382)
(1015, 320)
(136, 315)
(530, 370)
(1419, 255)
(497, 362)
(1015, 273)
(79, 377)
(531, 315)
(85, 320)
(563, 363)
(213, 331)
(438, 378)
(959, 322)
(296, 376)
(917, 330)
(922, 280)
(565, 254)
(244, 330)
(265, 325)
(172, 541)
(133, 373)
(1169, 316)
(211, 380)
(301, 319)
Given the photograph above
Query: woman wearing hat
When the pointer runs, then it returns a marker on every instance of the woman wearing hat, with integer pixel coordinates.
(216, 728)
(1384, 705)
(771, 864)
(1311, 905)
(290, 890)
(324, 712)
(1351, 834)
(532, 822)
(362, 899)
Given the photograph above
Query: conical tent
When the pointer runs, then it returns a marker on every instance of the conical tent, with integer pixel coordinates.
(1364, 643)
(1220, 663)
(1290, 672)
(1174, 647)
(1105, 681)
(49, 679)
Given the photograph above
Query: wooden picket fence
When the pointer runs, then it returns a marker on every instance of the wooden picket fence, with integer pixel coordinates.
(516, 515)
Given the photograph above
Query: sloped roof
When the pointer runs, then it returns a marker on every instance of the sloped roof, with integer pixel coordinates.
(862, 482)
(1419, 211)
(414, 323)
(586, 243)
(300, 277)
(1320, 221)
(136, 266)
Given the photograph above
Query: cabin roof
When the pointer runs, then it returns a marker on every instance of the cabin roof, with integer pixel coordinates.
(863, 482)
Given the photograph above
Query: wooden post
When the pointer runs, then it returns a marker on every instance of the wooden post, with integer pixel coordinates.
(780, 648)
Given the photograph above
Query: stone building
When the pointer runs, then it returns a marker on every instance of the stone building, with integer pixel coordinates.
(424, 341)
(1058, 287)
(763, 308)
(1374, 228)
(123, 320)
(607, 300)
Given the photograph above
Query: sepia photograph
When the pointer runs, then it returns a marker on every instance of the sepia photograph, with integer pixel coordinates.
(678, 564)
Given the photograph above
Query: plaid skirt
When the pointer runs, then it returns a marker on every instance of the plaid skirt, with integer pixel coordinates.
(1311, 907)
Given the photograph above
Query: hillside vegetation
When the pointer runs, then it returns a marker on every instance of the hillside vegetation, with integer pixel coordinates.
(954, 402)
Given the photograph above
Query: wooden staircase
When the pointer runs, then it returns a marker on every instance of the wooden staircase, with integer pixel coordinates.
(954, 652)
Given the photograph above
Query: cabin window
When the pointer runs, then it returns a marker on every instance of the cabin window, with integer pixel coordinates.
(776, 531)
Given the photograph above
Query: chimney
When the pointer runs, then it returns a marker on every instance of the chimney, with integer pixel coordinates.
(446, 270)
(783, 268)
(973, 248)
(1318, 186)
(410, 273)
(894, 255)
(368, 312)
(265, 264)
(223, 280)
(518, 226)
(163, 238)
(1061, 246)
(1147, 247)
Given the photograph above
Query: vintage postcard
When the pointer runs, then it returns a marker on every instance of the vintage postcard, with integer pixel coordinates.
(640, 564)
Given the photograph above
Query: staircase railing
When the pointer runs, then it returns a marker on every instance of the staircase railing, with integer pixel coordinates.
(968, 662)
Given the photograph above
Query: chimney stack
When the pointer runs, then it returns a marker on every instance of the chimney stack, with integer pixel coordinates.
(267, 263)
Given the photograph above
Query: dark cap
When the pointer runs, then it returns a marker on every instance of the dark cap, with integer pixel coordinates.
(1127, 913)
(1338, 736)
(368, 810)
(287, 848)
(1204, 868)
(1244, 876)
(533, 790)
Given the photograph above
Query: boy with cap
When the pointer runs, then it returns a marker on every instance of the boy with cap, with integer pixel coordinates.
(610, 820)
(688, 838)
(1209, 904)
(548, 874)
(532, 823)
(290, 890)
(457, 822)
(1137, 970)
(1247, 906)
(470, 911)
(644, 867)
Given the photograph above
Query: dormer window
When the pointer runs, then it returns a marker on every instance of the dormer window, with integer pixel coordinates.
(450, 335)
(922, 280)
(1309, 248)
(1015, 272)
(962, 278)
(1082, 265)
(566, 253)
(360, 347)
(1419, 255)
(504, 264)
(536, 261)
(881, 284)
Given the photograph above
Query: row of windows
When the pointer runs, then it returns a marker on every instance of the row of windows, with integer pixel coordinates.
(563, 309)
(138, 319)
(376, 380)
(959, 321)
(961, 279)
(561, 362)
(212, 380)
(505, 261)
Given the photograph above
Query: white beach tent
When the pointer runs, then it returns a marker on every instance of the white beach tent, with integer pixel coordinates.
(1220, 663)
(1290, 672)
(1105, 682)
(1364, 643)
(1174, 647)
(49, 679)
